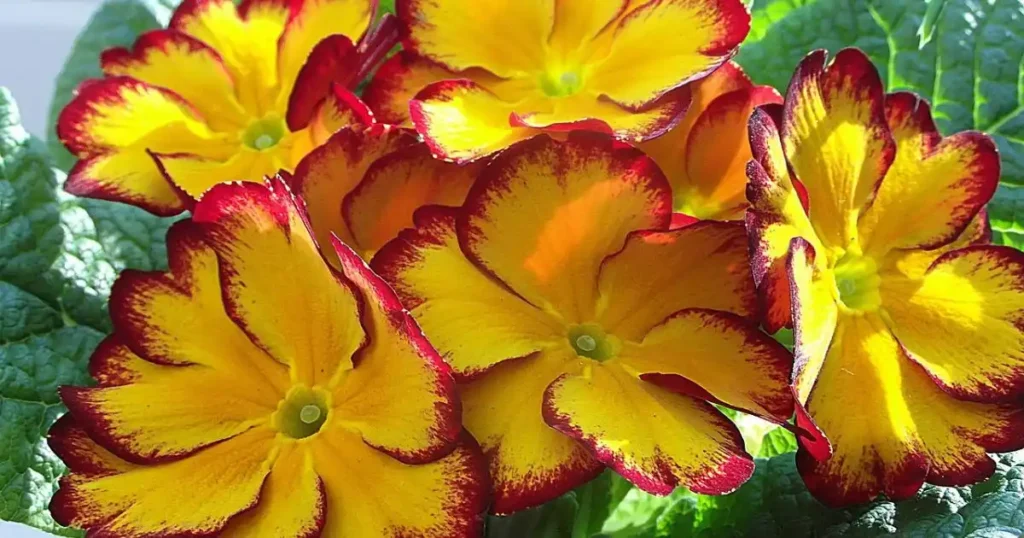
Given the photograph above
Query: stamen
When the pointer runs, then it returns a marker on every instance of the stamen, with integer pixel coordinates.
(309, 414)
(586, 342)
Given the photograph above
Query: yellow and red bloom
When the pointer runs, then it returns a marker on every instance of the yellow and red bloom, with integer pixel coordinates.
(254, 391)
(223, 94)
(585, 331)
(909, 327)
(705, 156)
(364, 184)
(510, 70)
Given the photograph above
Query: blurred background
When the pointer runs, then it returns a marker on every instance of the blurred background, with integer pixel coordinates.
(36, 36)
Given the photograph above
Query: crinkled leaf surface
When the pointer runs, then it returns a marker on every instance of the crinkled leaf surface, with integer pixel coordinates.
(58, 259)
(115, 24)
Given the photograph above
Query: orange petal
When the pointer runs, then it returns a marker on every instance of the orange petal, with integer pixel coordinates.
(397, 81)
(395, 186)
(836, 139)
(935, 185)
(473, 321)
(585, 196)
(673, 440)
(704, 265)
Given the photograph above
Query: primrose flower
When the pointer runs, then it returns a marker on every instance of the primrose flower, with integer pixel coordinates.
(254, 391)
(510, 70)
(705, 156)
(223, 94)
(364, 184)
(909, 328)
(585, 330)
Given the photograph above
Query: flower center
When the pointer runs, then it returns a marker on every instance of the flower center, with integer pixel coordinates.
(302, 412)
(857, 282)
(590, 341)
(264, 133)
(561, 83)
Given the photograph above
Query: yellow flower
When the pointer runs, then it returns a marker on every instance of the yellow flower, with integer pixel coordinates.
(254, 391)
(585, 331)
(223, 94)
(503, 71)
(909, 327)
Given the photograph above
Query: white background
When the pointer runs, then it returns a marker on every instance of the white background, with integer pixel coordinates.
(35, 37)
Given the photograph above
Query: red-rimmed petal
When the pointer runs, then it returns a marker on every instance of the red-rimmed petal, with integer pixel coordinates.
(935, 185)
(395, 186)
(125, 176)
(657, 273)
(530, 463)
(891, 428)
(963, 321)
(656, 66)
(331, 61)
(836, 139)
(585, 196)
(400, 396)
(261, 239)
(724, 354)
(674, 440)
(473, 321)
(397, 81)
(371, 494)
(194, 496)
(71, 443)
(159, 57)
(325, 176)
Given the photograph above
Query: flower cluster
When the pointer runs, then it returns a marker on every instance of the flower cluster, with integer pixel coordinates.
(556, 239)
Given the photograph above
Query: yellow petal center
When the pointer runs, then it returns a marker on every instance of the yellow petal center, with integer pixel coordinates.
(590, 341)
(561, 83)
(857, 283)
(264, 133)
(302, 412)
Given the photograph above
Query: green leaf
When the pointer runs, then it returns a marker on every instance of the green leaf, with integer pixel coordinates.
(931, 17)
(577, 514)
(776, 442)
(115, 24)
(971, 70)
(58, 259)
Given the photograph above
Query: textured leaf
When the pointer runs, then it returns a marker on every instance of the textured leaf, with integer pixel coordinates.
(58, 258)
(971, 70)
(115, 24)
(777, 442)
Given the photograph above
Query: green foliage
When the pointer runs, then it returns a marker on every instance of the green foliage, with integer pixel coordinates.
(971, 69)
(58, 259)
(116, 24)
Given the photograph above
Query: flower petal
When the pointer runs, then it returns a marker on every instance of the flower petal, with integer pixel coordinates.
(462, 121)
(309, 322)
(530, 463)
(339, 109)
(775, 217)
(400, 396)
(194, 175)
(311, 22)
(395, 186)
(194, 405)
(585, 196)
(246, 38)
(891, 427)
(714, 29)
(506, 37)
(397, 81)
(836, 138)
(704, 265)
(963, 321)
(325, 176)
(935, 185)
(197, 495)
(128, 176)
(159, 57)
(815, 315)
(724, 354)
(292, 502)
(444, 498)
(70, 442)
(472, 320)
(673, 440)
(332, 59)
(178, 318)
